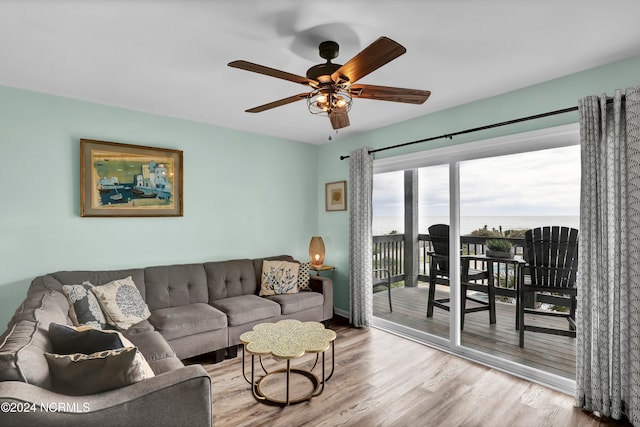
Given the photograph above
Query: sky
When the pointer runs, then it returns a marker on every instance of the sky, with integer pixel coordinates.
(536, 183)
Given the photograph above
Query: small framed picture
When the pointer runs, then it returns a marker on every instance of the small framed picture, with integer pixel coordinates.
(120, 180)
(336, 196)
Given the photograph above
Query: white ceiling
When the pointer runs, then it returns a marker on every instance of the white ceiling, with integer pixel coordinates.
(169, 57)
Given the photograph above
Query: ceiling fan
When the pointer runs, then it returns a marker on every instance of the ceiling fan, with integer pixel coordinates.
(334, 85)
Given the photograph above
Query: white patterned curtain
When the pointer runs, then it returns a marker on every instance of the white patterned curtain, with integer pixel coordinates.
(360, 237)
(608, 315)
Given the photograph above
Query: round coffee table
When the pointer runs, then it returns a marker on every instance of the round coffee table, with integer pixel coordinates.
(287, 340)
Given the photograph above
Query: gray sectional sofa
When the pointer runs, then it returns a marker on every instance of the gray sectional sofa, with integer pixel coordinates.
(195, 309)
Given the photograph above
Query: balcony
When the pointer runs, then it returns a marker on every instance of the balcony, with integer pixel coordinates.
(552, 353)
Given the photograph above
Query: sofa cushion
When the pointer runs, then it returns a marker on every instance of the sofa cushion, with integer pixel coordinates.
(97, 278)
(293, 303)
(227, 279)
(279, 277)
(23, 346)
(152, 345)
(155, 349)
(84, 308)
(247, 308)
(175, 285)
(144, 326)
(122, 303)
(22, 355)
(81, 374)
(44, 307)
(191, 319)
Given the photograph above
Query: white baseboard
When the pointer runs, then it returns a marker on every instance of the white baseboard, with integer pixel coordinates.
(343, 313)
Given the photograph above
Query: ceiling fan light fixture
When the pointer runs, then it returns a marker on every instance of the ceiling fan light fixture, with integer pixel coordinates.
(325, 100)
(334, 85)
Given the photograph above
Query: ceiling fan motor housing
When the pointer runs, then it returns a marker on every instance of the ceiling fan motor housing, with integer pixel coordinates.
(322, 72)
(329, 50)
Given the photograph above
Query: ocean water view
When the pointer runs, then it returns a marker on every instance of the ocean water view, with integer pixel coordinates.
(386, 224)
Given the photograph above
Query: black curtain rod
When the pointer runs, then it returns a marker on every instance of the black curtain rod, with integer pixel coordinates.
(462, 132)
(494, 125)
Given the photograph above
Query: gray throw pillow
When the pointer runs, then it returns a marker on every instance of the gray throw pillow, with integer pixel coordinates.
(82, 374)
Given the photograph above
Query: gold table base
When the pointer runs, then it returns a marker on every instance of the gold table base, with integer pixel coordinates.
(318, 383)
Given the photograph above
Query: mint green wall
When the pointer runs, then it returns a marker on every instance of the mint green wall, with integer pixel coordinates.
(245, 195)
(551, 95)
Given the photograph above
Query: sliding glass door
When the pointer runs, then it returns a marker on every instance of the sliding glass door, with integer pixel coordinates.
(491, 190)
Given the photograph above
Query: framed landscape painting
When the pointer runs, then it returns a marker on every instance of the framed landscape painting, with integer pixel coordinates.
(122, 180)
(336, 196)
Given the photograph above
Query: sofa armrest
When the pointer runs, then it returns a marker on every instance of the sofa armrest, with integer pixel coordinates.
(181, 396)
(324, 285)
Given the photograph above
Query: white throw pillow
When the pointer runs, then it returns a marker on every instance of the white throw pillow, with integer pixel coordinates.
(279, 277)
(122, 303)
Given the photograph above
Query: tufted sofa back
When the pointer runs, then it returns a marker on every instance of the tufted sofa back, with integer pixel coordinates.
(55, 281)
(228, 279)
(175, 285)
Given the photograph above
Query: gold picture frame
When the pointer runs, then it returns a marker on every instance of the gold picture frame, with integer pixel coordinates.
(123, 180)
(336, 196)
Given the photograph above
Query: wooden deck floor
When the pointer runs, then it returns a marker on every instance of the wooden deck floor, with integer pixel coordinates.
(555, 354)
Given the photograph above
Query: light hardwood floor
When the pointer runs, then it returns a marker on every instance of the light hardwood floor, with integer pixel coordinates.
(383, 380)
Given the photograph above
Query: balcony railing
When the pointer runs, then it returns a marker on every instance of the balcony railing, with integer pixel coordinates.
(388, 253)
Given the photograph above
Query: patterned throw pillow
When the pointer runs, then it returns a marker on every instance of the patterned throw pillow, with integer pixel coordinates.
(84, 307)
(122, 303)
(143, 365)
(279, 277)
(81, 374)
(303, 277)
(66, 339)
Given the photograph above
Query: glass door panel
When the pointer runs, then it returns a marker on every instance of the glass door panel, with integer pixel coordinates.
(409, 298)
(500, 198)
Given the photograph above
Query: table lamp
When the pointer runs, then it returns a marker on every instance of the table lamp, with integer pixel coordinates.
(316, 251)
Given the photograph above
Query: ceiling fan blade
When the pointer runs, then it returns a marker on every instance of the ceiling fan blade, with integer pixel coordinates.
(277, 103)
(267, 71)
(385, 93)
(339, 118)
(374, 56)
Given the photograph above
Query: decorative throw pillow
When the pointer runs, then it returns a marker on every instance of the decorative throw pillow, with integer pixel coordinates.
(81, 374)
(85, 309)
(68, 340)
(143, 365)
(303, 277)
(279, 277)
(87, 340)
(122, 303)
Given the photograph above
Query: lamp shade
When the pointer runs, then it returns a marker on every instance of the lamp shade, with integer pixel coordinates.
(316, 251)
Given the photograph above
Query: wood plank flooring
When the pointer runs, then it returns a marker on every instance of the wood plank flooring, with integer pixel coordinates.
(381, 379)
(552, 353)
